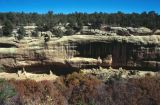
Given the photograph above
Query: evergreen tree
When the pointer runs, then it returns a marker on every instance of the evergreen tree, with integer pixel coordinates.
(77, 20)
(7, 28)
(21, 33)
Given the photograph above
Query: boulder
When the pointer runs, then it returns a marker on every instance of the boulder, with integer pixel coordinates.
(120, 31)
(139, 31)
(157, 32)
(144, 31)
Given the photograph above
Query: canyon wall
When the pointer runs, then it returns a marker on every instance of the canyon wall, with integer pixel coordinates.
(81, 51)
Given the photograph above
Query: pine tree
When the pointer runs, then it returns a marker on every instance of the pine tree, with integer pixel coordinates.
(21, 33)
(7, 28)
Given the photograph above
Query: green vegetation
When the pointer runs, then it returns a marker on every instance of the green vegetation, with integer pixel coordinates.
(35, 33)
(46, 22)
(21, 33)
(2, 69)
(58, 32)
(7, 28)
(82, 89)
(6, 91)
(70, 32)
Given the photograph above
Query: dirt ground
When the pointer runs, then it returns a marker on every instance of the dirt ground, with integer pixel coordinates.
(107, 73)
(36, 77)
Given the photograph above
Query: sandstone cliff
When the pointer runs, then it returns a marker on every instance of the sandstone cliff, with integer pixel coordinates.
(81, 51)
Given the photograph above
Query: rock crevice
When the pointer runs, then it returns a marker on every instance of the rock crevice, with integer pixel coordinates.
(83, 51)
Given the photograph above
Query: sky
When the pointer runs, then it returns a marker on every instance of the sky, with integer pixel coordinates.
(88, 6)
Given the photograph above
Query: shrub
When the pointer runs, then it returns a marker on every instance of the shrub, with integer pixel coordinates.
(35, 33)
(2, 69)
(1, 33)
(7, 28)
(86, 89)
(57, 32)
(70, 32)
(6, 91)
(43, 92)
(83, 88)
(21, 33)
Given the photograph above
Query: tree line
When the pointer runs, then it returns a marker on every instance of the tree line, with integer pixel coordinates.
(77, 20)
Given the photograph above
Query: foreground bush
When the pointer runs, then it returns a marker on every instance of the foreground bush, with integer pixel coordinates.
(7, 93)
(80, 89)
(35, 93)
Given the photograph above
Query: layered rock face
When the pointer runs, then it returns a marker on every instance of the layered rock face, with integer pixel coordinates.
(81, 51)
(121, 31)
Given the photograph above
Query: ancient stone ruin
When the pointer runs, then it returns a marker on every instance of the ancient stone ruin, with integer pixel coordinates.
(81, 51)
